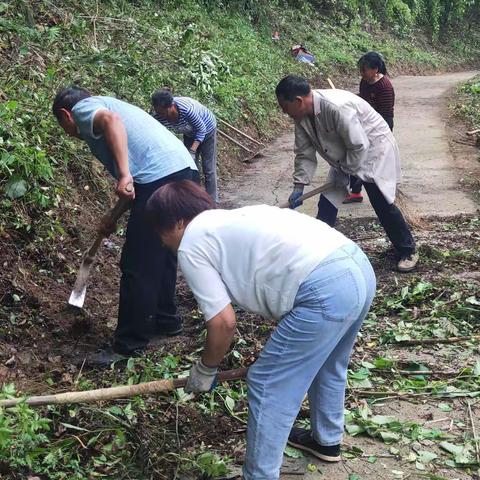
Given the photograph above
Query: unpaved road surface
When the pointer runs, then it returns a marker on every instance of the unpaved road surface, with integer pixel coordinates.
(432, 174)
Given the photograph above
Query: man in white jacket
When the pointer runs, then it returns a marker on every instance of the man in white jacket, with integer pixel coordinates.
(354, 140)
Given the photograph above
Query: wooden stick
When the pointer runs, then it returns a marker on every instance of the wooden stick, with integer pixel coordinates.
(473, 132)
(422, 372)
(112, 393)
(330, 83)
(393, 394)
(310, 194)
(438, 420)
(236, 142)
(475, 438)
(430, 341)
(240, 132)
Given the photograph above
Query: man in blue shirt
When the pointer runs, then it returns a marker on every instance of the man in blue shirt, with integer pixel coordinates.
(197, 123)
(142, 155)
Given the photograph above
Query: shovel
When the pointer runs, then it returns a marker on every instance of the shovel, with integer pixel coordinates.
(77, 297)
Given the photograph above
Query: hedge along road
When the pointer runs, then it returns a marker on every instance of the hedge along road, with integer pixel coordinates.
(432, 173)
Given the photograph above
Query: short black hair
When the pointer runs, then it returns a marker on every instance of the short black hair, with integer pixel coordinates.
(162, 98)
(292, 86)
(373, 60)
(175, 201)
(67, 98)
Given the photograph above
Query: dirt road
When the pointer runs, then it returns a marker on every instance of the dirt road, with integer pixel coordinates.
(432, 175)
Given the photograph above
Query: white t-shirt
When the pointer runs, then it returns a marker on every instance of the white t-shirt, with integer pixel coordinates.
(255, 257)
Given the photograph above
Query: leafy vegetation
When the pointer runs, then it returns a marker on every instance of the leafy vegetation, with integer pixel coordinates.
(467, 105)
(222, 54)
(174, 435)
(218, 52)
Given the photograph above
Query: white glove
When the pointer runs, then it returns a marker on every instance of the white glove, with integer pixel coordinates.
(201, 378)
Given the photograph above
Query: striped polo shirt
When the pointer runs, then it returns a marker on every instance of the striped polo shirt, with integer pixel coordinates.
(194, 119)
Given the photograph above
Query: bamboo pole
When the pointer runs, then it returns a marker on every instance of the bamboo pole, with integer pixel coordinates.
(330, 83)
(112, 393)
(240, 132)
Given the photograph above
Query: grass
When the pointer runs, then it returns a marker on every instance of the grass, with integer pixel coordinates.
(467, 105)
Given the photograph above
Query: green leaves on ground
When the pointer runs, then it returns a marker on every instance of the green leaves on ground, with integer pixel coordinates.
(388, 428)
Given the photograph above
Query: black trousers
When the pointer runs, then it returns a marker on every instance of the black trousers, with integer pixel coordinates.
(149, 274)
(355, 182)
(389, 215)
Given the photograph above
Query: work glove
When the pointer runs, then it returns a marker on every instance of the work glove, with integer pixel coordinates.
(293, 201)
(201, 378)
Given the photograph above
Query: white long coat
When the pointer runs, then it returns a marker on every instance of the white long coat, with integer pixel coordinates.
(353, 138)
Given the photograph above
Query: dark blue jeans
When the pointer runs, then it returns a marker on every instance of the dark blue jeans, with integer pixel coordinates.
(149, 275)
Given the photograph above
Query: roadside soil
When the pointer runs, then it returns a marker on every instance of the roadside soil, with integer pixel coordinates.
(43, 342)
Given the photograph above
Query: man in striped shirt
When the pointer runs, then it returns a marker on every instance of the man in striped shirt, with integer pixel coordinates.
(199, 128)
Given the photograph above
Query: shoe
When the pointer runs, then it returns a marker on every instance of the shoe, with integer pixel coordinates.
(408, 263)
(302, 439)
(353, 198)
(104, 358)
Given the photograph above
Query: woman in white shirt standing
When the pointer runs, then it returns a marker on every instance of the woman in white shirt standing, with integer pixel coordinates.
(283, 265)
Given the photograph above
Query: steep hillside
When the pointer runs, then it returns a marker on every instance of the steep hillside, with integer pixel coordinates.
(53, 192)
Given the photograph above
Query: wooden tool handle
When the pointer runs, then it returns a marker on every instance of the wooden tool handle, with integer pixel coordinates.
(113, 216)
(236, 142)
(240, 132)
(310, 194)
(112, 393)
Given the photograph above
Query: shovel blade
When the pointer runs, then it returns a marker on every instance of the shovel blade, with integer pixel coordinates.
(77, 298)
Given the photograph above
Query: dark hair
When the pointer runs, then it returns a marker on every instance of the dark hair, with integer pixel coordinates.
(67, 98)
(162, 98)
(373, 60)
(175, 201)
(292, 86)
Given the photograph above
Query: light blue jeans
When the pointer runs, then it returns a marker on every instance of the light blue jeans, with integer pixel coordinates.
(308, 352)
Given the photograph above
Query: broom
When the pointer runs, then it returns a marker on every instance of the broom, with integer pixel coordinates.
(401, 201)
